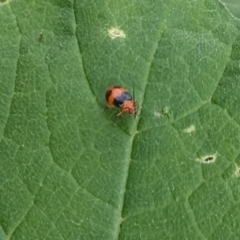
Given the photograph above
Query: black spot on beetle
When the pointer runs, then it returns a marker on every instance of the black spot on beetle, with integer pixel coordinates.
(108, 93)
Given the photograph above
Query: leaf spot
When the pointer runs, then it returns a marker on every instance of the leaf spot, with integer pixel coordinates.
(40, 36)
(208, 158)
(166, 111)
(237, 172)
(157, 114)
(2, 2)
(116, 33)
(190, 129)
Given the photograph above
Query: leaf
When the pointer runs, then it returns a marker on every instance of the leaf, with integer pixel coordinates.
(67, 172)
(233, 6)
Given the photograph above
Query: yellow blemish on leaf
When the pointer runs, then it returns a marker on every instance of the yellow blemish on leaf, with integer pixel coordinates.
(237, 172)
(116, 33)
(2, 2)
(208, 158)
(190, 129)
(157, 114)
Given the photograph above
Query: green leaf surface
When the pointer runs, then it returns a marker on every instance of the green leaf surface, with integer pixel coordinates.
(233, 6)
(67, 172)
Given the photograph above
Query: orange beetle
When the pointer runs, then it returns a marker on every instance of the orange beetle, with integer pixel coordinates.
(119, 97)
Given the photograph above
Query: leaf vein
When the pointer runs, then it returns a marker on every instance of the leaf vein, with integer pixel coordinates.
(131, 140)
(17, 63)
(82, 58)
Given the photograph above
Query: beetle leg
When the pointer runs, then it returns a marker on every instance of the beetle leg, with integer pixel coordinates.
(120, 113)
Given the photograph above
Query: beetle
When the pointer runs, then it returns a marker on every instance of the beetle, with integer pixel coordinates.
(119, 97)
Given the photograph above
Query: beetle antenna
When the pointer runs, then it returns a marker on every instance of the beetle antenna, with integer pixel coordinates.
(133, 93)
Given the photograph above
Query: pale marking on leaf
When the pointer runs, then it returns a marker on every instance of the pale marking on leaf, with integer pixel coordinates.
(157, 114)
(164, 112)
(4, 2)
(116, 33)
(211, 158)
(190, 129)
(237, 172)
